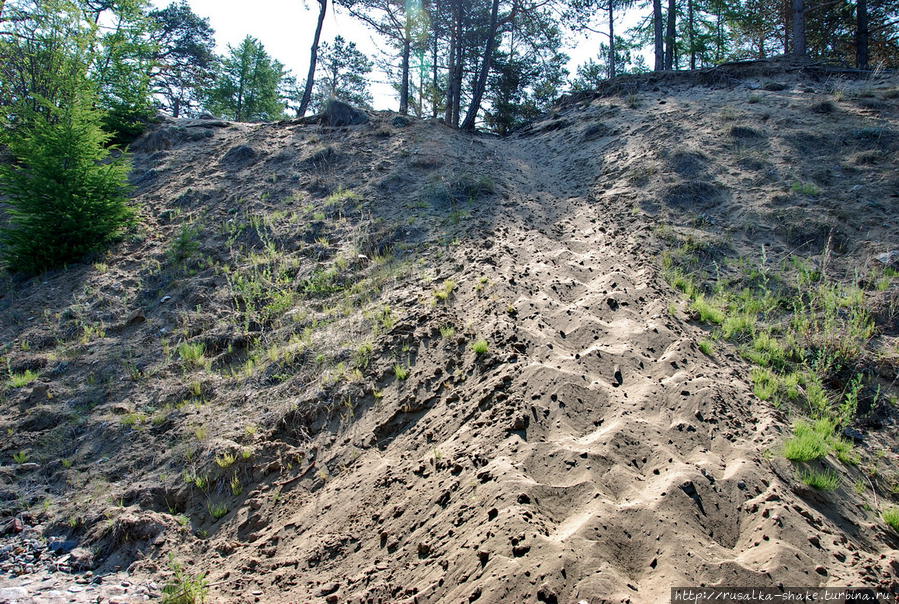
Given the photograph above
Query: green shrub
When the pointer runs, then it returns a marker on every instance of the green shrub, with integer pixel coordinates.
(707, 347)
(480, 347)
(67, 194)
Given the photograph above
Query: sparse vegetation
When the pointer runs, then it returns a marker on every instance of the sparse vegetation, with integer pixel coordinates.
(184, 588)
(193, 354)
(401, 372)
(823, 480)
(891, 517)
(443, 292)
(217, 510)
(20, 380)
(480, 347)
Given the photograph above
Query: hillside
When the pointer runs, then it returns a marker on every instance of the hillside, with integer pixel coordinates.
(400, 362)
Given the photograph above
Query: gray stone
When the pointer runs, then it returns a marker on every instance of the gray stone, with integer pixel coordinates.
(337, 114)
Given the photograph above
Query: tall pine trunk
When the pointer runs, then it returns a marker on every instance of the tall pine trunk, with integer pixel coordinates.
(691, 33)
(404, 83)
(458, 70)
(611, 39)
(481, 83)
(799, 28)
(313, 59)
(670, 35)
(450, 77)
(435, 75)
(657, 34)
(861, 34)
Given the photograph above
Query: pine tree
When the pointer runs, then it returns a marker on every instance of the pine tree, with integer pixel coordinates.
(67, 192)
(183, 57)
(343, 75)
(247, 85)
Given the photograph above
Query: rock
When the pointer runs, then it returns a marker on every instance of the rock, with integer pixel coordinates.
(774, 86)
(43, 417)
(62, 547)
(136, 316)
(424, 550)
(239, 156)
(889, 259)
(854, 434)
(337, 114)
(82, 558)
(207, 116)
(13, 527)
(165, 299)
(400, 121)
(329, 588)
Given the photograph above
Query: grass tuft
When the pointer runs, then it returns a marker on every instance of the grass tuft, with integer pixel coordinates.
(891, 517)
(823, 480)
(184, 588)
(20, 380)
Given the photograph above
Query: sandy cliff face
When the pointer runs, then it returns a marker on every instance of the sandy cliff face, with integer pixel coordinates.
(343, 418)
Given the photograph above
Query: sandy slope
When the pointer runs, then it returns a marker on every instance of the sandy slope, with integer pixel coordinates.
(594, 453)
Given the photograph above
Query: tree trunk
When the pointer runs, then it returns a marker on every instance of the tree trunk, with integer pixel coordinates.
(450, 78)
(861, 34)
(690, 29)
(404, 84)
(670, 35)
(458, 71)
(799, 28)
(2, 4)
(435, 92)
(611, 39)
(657, 31)
(481, 83)
(176, 108)
(313, 59)
(720, 37)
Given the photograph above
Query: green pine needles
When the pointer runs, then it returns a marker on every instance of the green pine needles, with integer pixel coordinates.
(67, 192)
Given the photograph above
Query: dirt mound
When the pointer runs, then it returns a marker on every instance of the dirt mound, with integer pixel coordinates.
(396, 362)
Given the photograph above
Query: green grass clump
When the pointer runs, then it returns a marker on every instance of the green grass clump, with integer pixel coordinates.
(183, 587)
(217, 510)
(810, 441)
(400, 372)
(480, 347)
(804, 188)
(823, 480)
(20, 457)
(192, 354)
(891, 517)
(766, 351)
(20, 380)
(764, 383)
(447, 331)
(735, 326)
(707, 347)
(707, 311)
(226, 460)
(443, 292)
